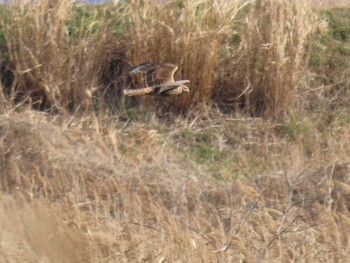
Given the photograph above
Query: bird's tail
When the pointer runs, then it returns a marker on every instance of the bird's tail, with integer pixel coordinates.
(136, 92)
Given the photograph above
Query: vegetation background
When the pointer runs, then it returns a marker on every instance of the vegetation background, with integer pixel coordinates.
(252, 166)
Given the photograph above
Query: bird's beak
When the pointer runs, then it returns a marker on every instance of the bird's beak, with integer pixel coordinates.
(186, 89)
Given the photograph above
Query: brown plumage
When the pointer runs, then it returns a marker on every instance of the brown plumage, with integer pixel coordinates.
(159, 78)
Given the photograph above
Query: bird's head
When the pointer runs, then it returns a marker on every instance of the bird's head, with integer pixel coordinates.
(185, 89)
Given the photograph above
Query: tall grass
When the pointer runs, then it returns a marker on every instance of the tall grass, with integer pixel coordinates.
(56, 60)
(214, 188)
(187, 33)
(269, 60)
(236, 54)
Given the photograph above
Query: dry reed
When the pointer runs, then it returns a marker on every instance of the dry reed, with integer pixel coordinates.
(60, 61)
(139, 198)
(189, 34)
(56, 60)
(265, 73)
(209, 189)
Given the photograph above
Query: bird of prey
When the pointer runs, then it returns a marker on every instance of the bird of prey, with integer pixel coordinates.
(159, 78)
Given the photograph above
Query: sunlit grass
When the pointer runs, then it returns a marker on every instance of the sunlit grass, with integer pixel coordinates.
(251, 166)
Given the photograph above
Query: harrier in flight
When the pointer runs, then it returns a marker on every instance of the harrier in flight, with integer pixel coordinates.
(159, 79)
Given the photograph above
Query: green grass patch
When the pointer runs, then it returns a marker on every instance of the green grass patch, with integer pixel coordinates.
(331, 49)
(294, 129)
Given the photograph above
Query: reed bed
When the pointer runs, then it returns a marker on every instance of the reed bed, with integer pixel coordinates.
(251, 166)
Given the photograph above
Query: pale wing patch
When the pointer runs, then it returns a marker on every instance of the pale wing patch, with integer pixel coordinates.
(136, 92)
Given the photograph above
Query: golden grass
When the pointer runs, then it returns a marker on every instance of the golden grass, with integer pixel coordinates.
(267, 67)
(132, 192)
(61, 63)
(212, 187)
(184, 33)
(330, 3)
(57, 68)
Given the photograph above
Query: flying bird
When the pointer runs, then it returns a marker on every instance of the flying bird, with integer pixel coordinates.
(159, 78)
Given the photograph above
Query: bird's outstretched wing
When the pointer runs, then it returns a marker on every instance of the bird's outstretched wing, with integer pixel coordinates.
(174, 83)
(156, 90)
(136, 92)
(156, 73)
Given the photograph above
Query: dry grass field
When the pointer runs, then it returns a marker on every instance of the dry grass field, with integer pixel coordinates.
(252, 166)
